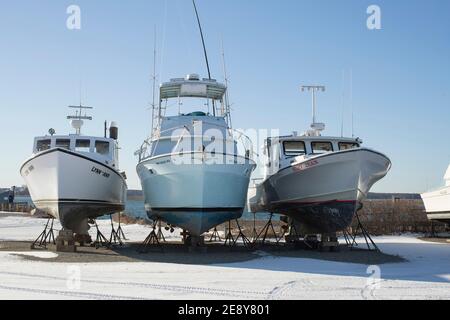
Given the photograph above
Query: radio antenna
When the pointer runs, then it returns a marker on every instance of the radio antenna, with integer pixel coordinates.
(351, 103)
(154, 84)
(343, 103)
(227, 95)
(204, 48)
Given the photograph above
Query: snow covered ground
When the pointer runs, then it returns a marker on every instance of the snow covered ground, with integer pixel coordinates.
(425, 276)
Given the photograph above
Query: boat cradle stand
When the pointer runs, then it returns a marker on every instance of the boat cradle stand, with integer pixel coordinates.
(152, 240)
(65, 242)
(350, 237)
(46, 237)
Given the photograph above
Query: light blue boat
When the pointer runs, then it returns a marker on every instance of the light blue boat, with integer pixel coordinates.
(194, 169)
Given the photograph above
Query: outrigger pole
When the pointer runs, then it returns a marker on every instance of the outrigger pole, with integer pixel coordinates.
(204, 49)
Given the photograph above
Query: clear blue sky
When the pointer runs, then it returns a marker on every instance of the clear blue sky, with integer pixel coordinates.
(401, 73)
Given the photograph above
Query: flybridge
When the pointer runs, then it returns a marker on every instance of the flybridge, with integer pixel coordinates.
(192, 87)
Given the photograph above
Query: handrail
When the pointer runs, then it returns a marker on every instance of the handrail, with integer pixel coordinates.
(243, 139)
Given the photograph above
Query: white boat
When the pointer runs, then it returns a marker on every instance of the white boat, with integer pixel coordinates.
(75, 177)
(317, 181)
(191, 171)
(437, 202)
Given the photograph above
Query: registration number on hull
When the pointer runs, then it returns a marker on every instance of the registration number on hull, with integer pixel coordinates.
(305, 165)
(100, 172)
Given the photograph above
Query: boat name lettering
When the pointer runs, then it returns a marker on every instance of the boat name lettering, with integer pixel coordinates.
(100, 172)
(163, 162)
(305, 165)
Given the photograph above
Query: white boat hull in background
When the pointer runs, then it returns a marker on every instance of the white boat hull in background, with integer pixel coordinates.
(322, 193)
(194, 196)
(73, 188)
(437, 204)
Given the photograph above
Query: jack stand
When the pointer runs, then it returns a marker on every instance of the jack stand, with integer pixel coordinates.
(215, 237)
(347, 237)
(293, 237)
(100, 240)
(120, 232)
(229, 239)
(45, 237)
(368, 239)
(160, 233)
(114, 238)
(265, 231)
(245, 240)
(151, 240)
(254, 235)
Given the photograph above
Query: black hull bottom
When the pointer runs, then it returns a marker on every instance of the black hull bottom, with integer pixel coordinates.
(320, 218)
(74, 215)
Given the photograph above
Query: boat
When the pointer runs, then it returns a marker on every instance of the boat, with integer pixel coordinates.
(437, 202)
(318, 182)
(75, 178)
(195, 169)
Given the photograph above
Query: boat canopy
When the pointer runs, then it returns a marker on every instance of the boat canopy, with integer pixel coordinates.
(192, 87)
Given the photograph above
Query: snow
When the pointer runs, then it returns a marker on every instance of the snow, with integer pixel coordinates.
(426, 275)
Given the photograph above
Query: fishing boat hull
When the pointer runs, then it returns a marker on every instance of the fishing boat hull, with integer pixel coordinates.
(322, 193)
(437, 204)
(194, 195)
(73, 188)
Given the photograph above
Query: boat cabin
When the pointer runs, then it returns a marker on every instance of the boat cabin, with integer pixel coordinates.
(96, 148)
(208, 130)
(280, 152)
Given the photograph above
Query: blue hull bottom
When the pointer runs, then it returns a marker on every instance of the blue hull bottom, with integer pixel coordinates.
(196, 221)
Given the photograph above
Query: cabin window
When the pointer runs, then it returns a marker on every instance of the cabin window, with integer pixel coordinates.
(348, 145)
(82, 145)
(43, 145)
(294, 148)
(321, 147)
(102, 147)
(63, 143)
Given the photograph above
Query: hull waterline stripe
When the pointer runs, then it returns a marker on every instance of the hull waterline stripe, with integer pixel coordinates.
(438, 212)
(317, 202)
(79, 201)
(195, 209)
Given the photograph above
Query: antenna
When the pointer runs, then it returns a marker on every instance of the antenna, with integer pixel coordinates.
(313, 89)
(77, 120)
(351, 103)
(343, 103)
(227, 102)
(154, 123)
(204, 48)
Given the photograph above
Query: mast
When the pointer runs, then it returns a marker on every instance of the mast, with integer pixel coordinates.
(227, 97)
(204, 49)
(313, 89)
